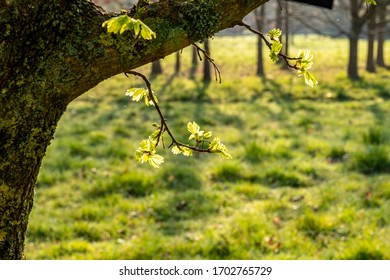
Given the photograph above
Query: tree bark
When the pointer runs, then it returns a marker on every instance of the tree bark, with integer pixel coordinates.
(286, 31)
(51, 52)
(353, 72)
(357, 23)
(279, 22)
(380, 58)
(260, 22)
(206, 63)
(194, 62)
(177, 63)
(370, 65)
(156, 68)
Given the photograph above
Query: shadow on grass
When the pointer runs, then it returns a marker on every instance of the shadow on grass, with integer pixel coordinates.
(181, 198)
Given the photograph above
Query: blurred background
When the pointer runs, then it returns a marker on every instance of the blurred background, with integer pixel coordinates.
(310, 174)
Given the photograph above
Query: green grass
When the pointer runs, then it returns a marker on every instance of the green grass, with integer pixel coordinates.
(309, 178)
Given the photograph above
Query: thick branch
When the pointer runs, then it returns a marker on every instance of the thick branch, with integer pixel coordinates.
(81, 54)
(177, 24)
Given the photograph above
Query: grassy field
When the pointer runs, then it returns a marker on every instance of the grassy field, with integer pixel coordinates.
(309, 178)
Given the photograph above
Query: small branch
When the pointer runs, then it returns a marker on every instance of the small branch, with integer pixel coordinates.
(136, 37)
(164, 126)
(207, 56)
(286, 58)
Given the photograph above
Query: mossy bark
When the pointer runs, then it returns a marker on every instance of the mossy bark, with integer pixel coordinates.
(51, 52)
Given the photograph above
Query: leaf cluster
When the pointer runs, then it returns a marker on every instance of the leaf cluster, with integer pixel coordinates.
(147, 148)
(138, 94)
(276, 45)
(304, 63)
(146, 151)
(122, 23)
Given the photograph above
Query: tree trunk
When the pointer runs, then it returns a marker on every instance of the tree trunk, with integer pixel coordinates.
(178, 63)
(381, 28)
(279, 22)
(260, 22)
(156, 68)
(370, 66)
(353, 73)
(355, 29)
(51, 52)
(194, 62)
(206, 63)
(286, 31)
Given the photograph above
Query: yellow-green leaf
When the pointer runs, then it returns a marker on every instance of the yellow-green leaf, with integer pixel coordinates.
(176, 150)
(217, 147)
(136, 93)
(156, 161)
(310, 80)
(123, 23)
(117, 24)
(274, 34)
(193, 127)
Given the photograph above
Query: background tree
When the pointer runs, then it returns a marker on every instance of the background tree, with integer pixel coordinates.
(371, 31)
(382, 12)
(260, 22)
(358, 18)
(286, 28)
(279, 21)
(51, 52)
(156, 68)
(206, 63)
(178, 63)
(194, 62)
(355, 11)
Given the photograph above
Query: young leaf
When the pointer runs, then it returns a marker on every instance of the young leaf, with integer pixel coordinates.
(305, 60)
(147, 153)
(149, 101)
(146, 32)
(276, 47)
(156, 161)
(193, 127)
(176, 150)
(217, 147)
(207, 135)
(274, 34)
(187, 152)
(139, 93)
(117, 24)
(123, 23)
(310, 80)
(136, 93)
(196, 133)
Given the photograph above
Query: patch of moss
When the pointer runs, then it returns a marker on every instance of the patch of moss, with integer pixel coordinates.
(199, 19)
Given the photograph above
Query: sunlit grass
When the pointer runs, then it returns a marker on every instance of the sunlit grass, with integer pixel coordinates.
(309, 178)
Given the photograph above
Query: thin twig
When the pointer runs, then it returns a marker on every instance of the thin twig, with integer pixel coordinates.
(286, 58)
(164, 126)
(137, 37)
(209, 59)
